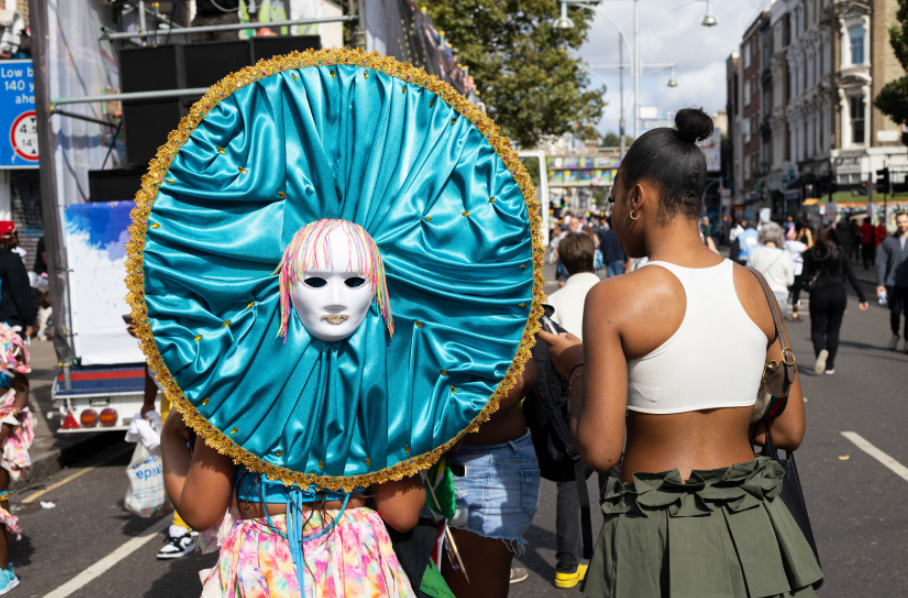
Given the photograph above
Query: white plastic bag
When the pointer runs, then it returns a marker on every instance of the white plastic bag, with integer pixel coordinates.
(146, 496)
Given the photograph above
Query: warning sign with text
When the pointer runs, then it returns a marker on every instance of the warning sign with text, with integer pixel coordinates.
(18, 123)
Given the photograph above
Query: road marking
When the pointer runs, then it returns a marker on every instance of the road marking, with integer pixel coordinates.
(105, 564)
(896, 467)
(71, 477)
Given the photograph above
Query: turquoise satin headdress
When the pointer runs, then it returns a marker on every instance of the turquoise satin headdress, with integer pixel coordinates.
(336, 135)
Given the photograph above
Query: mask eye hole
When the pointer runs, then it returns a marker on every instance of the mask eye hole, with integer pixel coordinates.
(316, 282)
(355, 281)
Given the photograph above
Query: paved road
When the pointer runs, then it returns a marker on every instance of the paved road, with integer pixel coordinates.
(856, 503)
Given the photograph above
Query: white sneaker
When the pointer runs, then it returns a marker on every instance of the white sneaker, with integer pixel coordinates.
(830, 372)
(176, 547)
(894, 342)
(820, 366)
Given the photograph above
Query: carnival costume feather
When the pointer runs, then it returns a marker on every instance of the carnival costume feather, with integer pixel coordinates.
(272, 157)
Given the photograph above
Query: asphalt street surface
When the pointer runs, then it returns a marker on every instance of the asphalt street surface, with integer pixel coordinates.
(88, 545)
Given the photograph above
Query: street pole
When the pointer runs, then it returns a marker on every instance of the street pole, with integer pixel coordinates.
(636, 59)
(621, 123)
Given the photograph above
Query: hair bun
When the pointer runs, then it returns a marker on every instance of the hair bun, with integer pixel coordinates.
(693, 125)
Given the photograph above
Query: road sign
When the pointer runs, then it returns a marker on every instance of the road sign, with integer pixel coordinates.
(18, 123)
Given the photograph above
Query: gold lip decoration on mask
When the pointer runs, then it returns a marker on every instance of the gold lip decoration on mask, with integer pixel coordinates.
(336, 320)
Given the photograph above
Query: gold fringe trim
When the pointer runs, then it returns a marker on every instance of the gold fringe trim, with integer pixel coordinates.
(160, 164)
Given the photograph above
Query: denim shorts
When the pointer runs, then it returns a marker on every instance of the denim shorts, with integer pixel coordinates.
(498, 491)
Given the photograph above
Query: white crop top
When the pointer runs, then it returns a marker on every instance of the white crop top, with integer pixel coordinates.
(715, 358)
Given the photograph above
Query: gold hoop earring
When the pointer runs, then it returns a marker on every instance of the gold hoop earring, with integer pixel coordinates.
(632, 215)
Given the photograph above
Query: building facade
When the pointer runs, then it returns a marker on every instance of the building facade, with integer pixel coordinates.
(818, 65)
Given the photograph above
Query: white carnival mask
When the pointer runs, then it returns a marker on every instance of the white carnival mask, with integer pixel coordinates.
(333, 272)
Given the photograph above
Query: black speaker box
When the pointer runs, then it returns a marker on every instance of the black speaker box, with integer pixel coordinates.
(115, 185)
(207, 63)
(266, 47)
(149, 121)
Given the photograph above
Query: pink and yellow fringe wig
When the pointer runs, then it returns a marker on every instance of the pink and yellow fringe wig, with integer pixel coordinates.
(309, 250)
(13, 354)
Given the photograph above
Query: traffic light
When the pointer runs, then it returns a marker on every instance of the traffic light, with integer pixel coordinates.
(883, 184)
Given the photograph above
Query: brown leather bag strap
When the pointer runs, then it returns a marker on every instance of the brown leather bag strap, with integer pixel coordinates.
(781, 333)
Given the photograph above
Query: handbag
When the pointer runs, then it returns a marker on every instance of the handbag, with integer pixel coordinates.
(772, 396)
(792, 494)
(811, 283)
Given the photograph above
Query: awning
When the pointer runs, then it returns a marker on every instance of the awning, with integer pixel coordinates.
(804, 179)
(811, 202)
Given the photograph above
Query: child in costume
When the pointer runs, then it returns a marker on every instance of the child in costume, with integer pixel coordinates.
(16, 436)
(299, 202)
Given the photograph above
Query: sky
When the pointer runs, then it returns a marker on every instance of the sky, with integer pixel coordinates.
(699, 52)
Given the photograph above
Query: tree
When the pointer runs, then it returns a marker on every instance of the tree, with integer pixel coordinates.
(612, 139)
(893, 98)
(523, 67)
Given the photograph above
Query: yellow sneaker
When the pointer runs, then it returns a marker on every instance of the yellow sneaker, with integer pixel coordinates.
(566, 581)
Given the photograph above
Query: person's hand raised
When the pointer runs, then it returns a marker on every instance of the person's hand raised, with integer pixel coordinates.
(566, 350)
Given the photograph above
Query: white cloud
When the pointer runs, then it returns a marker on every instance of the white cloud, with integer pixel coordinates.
(699, 52)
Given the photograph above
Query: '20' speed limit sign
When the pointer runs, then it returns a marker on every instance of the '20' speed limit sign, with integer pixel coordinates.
(24, 136)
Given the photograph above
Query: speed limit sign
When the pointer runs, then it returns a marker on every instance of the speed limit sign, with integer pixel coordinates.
(24, 136)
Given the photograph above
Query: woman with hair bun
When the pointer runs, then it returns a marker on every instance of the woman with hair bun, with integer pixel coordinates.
(675, 352)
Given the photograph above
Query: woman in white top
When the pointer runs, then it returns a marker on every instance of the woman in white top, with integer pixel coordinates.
(773, 262)
(675, 351)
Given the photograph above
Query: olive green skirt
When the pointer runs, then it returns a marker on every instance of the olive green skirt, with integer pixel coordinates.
(722, 534)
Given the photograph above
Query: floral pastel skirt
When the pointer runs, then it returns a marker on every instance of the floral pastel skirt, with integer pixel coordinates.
(355, 559)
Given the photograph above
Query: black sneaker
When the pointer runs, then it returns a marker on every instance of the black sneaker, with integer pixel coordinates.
(176, 547)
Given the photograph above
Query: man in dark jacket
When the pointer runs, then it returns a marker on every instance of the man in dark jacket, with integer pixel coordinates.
(892, 277)
(17, 306)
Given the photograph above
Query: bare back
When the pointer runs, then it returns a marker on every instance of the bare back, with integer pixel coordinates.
(635, 315)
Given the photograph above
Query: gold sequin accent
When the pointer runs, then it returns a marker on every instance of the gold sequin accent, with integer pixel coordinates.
(522, 305)
(321, 464)
(332, 76)
(444, 372)
(453, 120)
(366, 76)
(171, 181)
(492, 200)
(221, 150)
(198, 338)
(155, 225)
(418, 324)
(142, 213)
(403, 89)
(241, 169)
(428, 219)
(454, 390)
(466, 214)
(226, 324)
(368, 461)
(523, 267)
(282, 195)
(279, 453)
(205, 400)
(407, 449)
(234, 430)
(294, 76)
(250, 305)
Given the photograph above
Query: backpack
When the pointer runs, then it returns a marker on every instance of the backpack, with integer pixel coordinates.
(547, 410)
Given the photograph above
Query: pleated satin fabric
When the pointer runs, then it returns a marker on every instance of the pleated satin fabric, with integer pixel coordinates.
(295, 147)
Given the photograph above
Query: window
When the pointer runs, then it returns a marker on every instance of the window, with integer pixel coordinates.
(746, 53)
(745, 129)
(857, 105)
(856, 35)
(747, 93)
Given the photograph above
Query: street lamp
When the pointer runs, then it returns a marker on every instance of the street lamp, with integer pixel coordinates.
(709, 20)
(563, 22)
(672, 82)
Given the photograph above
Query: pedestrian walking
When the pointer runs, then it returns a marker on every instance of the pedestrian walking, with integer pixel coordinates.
(16, 435)
(634, 372)
(734, 241)
(868, 243)
(892, 278)
(597, 258)
(612, 253)
(748, 241)
(770, 259)
(796, 251)
(826, 266)
(568, 303)
(17, 304)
